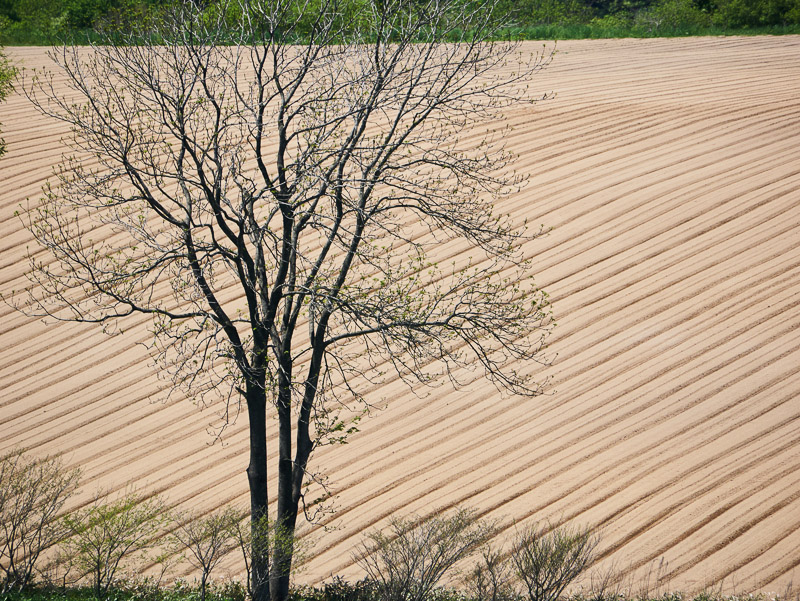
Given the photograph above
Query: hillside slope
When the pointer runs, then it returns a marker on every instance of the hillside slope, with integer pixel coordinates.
(669, 172)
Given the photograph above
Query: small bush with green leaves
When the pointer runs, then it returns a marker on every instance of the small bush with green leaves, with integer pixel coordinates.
(105, 535)
(338, 589)
(32, 494)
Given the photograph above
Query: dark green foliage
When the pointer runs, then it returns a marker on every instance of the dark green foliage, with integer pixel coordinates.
(83, 14)
(563, 19)
(547, 12)
(45, 21)
(8, 11)
(673, 17)
(606, 7)
(7, 74)
(756, 13)
(51, 21)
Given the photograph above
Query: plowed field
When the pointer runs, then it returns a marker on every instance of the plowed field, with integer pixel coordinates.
(669, 172)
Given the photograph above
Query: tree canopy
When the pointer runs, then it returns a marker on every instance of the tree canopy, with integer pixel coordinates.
(282, 197)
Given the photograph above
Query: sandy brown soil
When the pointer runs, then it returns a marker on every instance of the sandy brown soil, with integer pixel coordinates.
(669, 171)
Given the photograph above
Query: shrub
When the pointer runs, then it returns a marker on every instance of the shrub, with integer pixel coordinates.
(336, 590)
(108, 534)
(406, 563)
(33, 492)
(207, 539)
(492, 578)
(546, 559)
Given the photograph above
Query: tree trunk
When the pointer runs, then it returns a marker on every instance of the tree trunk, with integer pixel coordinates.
(287, 510)
(291, 477)
(97, 589)
(257, 478)
(282, 556)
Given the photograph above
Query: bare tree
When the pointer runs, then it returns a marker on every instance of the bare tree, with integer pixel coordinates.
(547, 559)
(268, 181)
(32, 493)
(492, 577)
(407, 562)
(208, 539)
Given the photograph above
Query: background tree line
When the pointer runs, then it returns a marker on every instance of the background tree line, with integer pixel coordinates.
(44, 21)
(724, 14)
